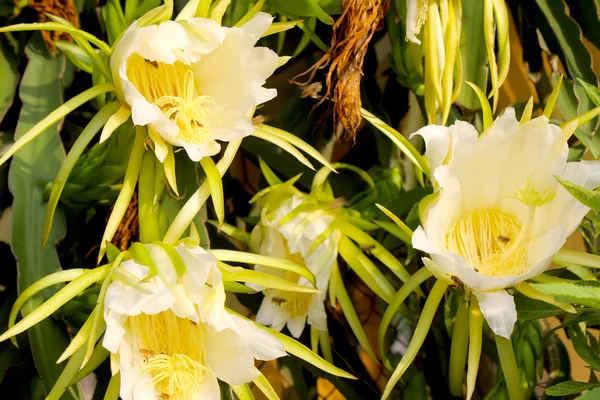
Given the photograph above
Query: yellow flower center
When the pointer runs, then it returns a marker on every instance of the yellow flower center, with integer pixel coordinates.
(173, 353)
(295, 303)
(172, 87)
(491, 241)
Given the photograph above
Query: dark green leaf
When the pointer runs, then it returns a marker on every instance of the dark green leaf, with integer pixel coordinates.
(32, 168)
(587, 197)
(570, 387)
(528, 308)
(10, 77)
(583, 349)
(473, 53)
(583, 292)
(563, 36)
(592, 91)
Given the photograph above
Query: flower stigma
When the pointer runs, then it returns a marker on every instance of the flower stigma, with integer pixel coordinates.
(172, 87)
(494, 243)
(172, 351)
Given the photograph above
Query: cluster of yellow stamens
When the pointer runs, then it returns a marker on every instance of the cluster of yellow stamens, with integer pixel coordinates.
(295, 303)
(172, 87)
(491, 241)
(172, 351)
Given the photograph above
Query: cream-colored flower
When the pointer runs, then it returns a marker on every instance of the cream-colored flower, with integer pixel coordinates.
(292, 240)
(499, 216)
(172, 338)
(193, 82)
(416, 14)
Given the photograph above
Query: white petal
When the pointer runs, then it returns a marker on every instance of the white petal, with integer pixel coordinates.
(268, 311)
(114, 330)
(210, 387)
(416, 13)
(258, 24)
(499, 310)
(564, 209)
(233, 76)
(228, 355)
(317, 316)
(263, 345)
(196, 152)
(296, 325)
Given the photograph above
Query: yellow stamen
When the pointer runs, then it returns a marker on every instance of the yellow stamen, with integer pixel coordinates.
(491, 241)
(295, 303)
(172, 350)
(172, 87)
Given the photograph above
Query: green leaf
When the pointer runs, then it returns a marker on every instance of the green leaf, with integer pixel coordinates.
(586, 12)
(587, 197)
(582, 348)
(570, 387)
(593, 394)
(250, 258)
(10, 77)
(301, 8)
(41, 92)
(583, 292)
(114, 20)
(243, 392)
(592, 91)
(296, 142)
(265, 387)
(63, 174)
(472, 52)
(563, 37)
(528, 308)
(403, 144)
(349, 311)
(366, 270)
(76, 55)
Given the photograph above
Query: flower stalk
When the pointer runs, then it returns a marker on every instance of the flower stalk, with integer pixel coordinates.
(475, 340)
(458, 348)
(510, 369)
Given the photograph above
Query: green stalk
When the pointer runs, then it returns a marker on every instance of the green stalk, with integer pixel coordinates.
(431, 305)
(458, 350)
(197, 200)
(148, 210)
(576, 257)
(325, 346)
(475, 339)
(510, 368)
(126, 193)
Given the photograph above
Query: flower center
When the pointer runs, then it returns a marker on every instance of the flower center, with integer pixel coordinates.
(172, 87)
(492, 242)
(172, 350)
(295, 303)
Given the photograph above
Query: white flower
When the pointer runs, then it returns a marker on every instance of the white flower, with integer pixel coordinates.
(499, 216)
(292, 241)
(193, 82)
(416, 14)
(173, 338)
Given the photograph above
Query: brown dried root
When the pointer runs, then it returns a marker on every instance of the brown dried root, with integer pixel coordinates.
(352, 33)
(61, 8)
